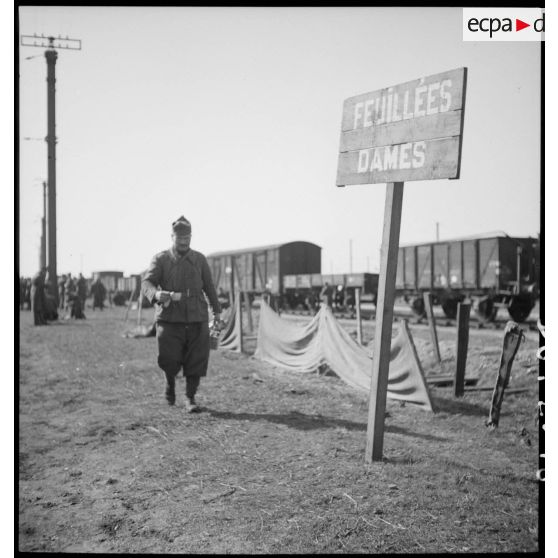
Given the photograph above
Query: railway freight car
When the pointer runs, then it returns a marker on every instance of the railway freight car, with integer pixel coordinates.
(261, 269)
(491, 272)
(128, 287)
(108, 278)
(305, 288)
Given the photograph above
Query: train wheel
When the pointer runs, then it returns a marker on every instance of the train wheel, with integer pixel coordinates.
(485, 309)
(417, 306)
(449, 306)
(520, 307)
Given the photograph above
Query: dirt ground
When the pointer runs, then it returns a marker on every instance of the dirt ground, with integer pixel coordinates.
(274, 463)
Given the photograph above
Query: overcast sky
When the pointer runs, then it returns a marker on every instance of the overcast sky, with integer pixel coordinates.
(232, 117)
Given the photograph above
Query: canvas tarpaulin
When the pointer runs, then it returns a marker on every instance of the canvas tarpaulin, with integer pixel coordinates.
(303, 348)
(230, 336)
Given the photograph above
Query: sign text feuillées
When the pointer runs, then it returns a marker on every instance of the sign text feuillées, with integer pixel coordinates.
(410, 131)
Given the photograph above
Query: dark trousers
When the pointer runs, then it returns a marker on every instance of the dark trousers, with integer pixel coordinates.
(186, 347)
(39, 317)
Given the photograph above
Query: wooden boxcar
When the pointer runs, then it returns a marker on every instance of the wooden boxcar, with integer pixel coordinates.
(305, 288)
(490, 271)
(108, 278)
(129, 286)
(261, 269)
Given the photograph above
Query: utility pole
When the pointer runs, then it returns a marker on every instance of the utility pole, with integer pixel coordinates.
(437, 232)
(51, 55)
(350, 255)
(43, 257)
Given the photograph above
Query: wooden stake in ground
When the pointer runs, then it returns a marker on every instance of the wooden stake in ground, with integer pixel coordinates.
(432, 325)
(129, 306)
(238, 302)
(513, 335)
(358, 316)
(248, 311)
(384, 322)
(463, 313)
(416, 359)
(140, 297)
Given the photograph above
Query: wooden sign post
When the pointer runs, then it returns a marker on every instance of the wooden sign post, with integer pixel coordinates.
(384, 321)
(411, 131)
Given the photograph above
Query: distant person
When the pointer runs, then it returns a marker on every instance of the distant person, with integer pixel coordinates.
(27, 295)
(70, 291)
(82, 289)
(38, 298)
(98, 291)
(339, 298)
(21, 293)
(223, 298)
(350, 299)
(76, 311)
(62, 291)
(110, 293)
(76, 308)
(72, 304)
(310, 302)
(51, 306)
(326, 294)
(176, 282)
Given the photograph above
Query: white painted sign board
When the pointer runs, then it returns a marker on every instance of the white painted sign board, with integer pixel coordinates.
(411, 131)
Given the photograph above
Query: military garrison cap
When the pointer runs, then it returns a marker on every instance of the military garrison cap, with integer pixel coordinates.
(182, 225)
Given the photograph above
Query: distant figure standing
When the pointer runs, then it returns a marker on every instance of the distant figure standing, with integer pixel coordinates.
(51, 307)
(77, 309)
(21, 293)
(339, 296)
(223, 298)
(98, 290)
(82, 290)
(69, 292)
(38, 299)
(27, 295)
(62, 291)
(326, 294)
(310, 302)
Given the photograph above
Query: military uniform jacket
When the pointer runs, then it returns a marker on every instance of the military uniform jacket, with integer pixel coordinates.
(189, 275)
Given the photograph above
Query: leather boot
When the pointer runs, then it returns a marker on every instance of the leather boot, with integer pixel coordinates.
(170, 394)
(191, 405)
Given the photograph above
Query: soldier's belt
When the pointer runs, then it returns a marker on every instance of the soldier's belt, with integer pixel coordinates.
(174, 297)
(187, 293)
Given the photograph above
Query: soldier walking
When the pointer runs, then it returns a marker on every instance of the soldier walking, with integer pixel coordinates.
(176, 282)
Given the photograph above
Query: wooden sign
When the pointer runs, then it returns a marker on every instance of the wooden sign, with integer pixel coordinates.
(411, 131)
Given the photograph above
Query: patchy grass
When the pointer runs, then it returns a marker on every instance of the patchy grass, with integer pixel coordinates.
(273, 464)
